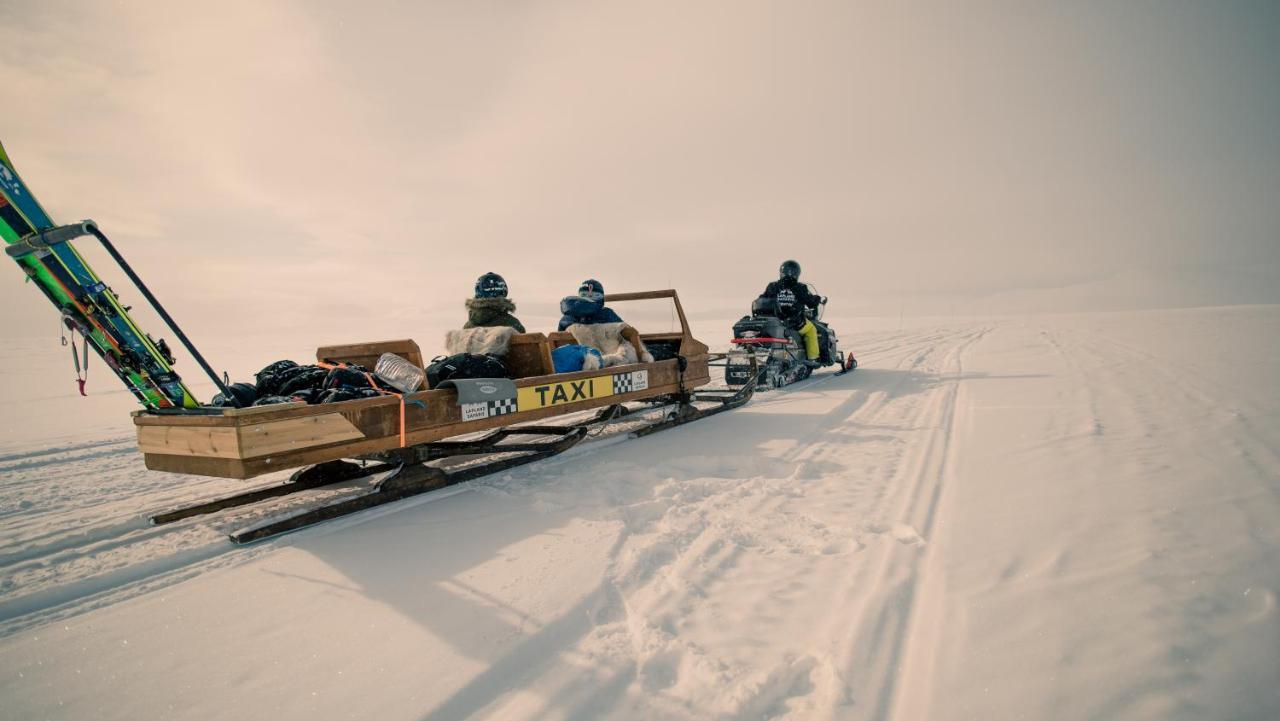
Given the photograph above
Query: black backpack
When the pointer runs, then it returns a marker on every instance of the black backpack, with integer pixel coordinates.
(465, 365)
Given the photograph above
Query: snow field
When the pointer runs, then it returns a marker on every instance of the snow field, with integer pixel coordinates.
(1067, 517)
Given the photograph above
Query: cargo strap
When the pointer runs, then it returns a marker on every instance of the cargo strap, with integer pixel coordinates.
(373, 383)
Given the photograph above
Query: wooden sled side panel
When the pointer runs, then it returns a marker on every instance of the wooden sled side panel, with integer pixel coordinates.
(367, 354)
(248, 442)
(243, 443)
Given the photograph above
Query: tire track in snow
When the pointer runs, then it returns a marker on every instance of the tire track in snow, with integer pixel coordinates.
(684, 540)
(677, 561)
(863, 669)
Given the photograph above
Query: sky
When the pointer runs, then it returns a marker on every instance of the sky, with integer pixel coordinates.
(344, 170)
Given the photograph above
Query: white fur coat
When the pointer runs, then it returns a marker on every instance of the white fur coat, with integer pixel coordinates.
(489, 341)
(607, 338)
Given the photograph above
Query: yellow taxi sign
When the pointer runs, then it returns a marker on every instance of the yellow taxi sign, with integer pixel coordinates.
(563, 393)
(568, 392)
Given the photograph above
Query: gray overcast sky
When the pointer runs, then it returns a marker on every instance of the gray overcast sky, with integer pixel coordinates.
(327, 163)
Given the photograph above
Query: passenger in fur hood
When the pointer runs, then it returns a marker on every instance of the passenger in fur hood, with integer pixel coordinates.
(595, 325)
(490, 306)
(587, 307)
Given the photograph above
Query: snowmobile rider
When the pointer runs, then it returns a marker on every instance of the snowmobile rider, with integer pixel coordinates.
(794, 299)
(490, 306)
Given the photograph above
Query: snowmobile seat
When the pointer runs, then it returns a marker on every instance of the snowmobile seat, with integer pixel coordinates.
(765, 306)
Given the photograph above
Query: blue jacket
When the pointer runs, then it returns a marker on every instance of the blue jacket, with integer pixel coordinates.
(580, 310)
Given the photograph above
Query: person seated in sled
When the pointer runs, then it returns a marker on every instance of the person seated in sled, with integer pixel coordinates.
(795, 303)
(593, 324)
(490, 307)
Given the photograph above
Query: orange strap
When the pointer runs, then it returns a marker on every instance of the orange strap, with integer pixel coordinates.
(374, 385)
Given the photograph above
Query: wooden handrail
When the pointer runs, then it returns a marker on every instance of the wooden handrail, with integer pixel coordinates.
(640, 295)
(651, 295)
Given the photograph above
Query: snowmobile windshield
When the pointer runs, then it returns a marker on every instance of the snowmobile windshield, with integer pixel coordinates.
(817, 314)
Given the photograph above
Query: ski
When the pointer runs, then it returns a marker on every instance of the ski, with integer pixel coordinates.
(45, 254)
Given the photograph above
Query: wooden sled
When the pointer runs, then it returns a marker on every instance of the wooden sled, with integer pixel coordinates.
(403, 434)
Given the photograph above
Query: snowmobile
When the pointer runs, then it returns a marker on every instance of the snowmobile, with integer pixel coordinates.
(771, 354)
(403, 444)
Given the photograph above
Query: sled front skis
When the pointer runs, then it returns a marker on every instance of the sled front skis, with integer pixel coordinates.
(409, 473)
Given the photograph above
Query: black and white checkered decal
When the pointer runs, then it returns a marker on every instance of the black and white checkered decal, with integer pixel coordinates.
(628, 382)
(487, 409)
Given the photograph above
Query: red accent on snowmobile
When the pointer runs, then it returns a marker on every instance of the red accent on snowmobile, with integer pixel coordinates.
(753, 341)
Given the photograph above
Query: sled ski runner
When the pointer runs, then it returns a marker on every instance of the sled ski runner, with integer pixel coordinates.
(409, 472)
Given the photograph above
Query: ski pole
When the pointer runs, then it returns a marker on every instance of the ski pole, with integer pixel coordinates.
(93, 229)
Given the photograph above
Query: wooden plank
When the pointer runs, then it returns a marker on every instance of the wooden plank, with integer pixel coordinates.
(366, 354)
(189, 441)
(263, 439)
(196, 466)
(640, 295)
(529, 355)
(155, 419)
(548, 364)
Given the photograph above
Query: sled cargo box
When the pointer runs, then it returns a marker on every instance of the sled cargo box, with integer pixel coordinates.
(247, 442)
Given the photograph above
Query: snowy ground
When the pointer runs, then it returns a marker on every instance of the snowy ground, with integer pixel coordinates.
(1068, 517)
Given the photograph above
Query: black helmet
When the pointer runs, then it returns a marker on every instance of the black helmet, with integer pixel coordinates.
(789, 269)
(491, 285)
(592, 289)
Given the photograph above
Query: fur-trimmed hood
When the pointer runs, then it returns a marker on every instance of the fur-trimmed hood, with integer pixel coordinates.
(484, 312)
(495, 305)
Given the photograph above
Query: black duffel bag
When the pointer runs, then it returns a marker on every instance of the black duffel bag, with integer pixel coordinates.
(465, 365)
